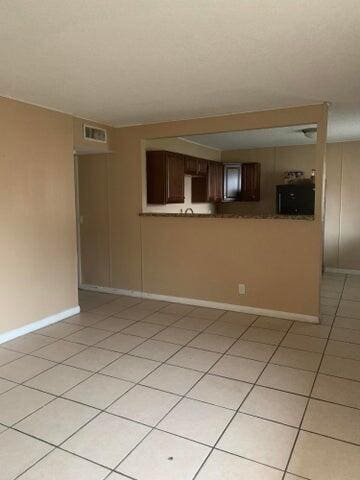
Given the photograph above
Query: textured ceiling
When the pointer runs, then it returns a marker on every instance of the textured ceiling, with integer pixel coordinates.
(128, 62)
(270, 137)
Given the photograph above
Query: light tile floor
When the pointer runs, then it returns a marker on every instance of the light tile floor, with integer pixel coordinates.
(147, 390)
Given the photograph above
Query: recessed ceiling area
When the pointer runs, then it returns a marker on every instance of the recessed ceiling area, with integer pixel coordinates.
(134, 62)
(261, 138)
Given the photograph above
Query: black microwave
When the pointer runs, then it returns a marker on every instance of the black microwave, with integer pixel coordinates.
(295, 199)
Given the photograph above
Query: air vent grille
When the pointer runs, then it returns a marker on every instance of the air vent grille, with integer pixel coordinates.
(95, 134)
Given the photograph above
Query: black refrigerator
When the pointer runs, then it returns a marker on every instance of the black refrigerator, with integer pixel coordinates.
(296, 199)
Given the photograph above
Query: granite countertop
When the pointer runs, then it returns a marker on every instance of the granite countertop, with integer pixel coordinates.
(229, 215)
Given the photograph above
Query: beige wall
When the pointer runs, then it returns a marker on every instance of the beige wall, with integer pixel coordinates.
(279, 260)
(274, 162)
(94, 219)
(342, 221)
(180, 146)
(38, 273)
(197, 258)
(207, 259)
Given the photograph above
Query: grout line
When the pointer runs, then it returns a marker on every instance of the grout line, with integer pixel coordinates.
(57, 397)
(241, 404)
(202, 376)
(165, 363)
(99, 410)
(185, 394)
(311, 391)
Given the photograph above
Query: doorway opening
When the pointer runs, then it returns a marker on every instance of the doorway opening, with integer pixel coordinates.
(92, 218)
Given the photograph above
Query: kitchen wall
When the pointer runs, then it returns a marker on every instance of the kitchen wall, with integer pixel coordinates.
(180, 146)
(279, 260)
(342, 218)
(274, 162)
(342, 213)
(38, 273)
(206, 258)
(184, 257)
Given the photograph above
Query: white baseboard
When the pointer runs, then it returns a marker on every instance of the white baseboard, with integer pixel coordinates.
(344, 271)
(206, 303)
(115, 291)
(31, 327)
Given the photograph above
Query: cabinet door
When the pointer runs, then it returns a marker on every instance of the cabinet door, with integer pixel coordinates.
(174, 178)
(211, 182)
(195, 166)
(202, 167)
(232, 181)
(191, 165)
(219, 182)
(215, 175)
(156, 177)
(250, 182)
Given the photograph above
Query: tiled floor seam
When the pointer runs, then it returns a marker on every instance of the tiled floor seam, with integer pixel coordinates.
(185, 395)
(68, 358)
(165, 362)
(204, 373)
(58, 396)
(312, 388)
(103, 410)
(239, 407)
(73, 386)
(155, 388)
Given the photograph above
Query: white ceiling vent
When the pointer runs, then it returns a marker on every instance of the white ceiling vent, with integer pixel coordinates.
(95, 134)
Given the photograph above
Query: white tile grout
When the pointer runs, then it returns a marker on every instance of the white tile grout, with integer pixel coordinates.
(121, 354)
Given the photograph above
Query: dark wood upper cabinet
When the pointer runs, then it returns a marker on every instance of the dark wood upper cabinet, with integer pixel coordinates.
(195, 166)
(165, 177)
(242, 182)
(250, 182)
(219, 181)
(165, 174)
(215, 179)
(202, 166)
(175, 178)
(191, 165)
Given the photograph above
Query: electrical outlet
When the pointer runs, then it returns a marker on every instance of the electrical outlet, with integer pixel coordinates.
(242, 289)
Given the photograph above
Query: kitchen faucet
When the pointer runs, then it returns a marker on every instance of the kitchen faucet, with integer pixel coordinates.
(189, 210)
